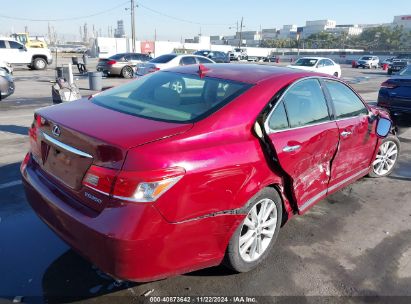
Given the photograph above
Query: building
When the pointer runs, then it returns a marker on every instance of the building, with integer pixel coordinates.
(269, 34)
(404, 21)
(288, 31)
(317, 26)
(347, 29)
(119, 31)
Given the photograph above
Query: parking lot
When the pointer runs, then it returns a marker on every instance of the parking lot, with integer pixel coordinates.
(355, 243)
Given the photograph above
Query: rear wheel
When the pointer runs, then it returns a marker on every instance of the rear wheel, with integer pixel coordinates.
(39, 64)
(386, 158)
(256, 235)
(127, 72)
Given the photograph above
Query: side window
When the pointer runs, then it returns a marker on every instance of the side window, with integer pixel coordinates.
(305, 104)
(321, 63)
(188, 60)
(328, 62)
(203, 60)
(346, 102)
(15, 45)
(278, 119)
(2, 44)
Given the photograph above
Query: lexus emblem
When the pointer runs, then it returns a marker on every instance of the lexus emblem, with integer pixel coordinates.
(56, 130)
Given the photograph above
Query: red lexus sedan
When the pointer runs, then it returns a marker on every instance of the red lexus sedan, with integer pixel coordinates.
(147, 182)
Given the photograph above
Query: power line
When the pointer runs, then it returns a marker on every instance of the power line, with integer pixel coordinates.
(64, 19)
(180, 19)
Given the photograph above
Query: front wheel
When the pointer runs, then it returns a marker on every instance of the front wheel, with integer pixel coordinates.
(387, 157)
(39, 64)
(257, 233)
(336, 74)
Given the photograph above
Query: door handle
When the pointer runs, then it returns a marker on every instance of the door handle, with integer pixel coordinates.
(291, 148)
(346, 133)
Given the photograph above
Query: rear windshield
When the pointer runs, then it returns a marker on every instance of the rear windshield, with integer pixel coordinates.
(163, 58)
(117, 56)
(306, 62)
(172, 97)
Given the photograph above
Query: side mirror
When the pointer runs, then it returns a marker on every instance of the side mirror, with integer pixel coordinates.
(383, 127)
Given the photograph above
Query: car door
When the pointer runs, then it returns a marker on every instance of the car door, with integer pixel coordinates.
(330, 67)
(305, 140)
(357, 137)
(321, 67)
(17, 52)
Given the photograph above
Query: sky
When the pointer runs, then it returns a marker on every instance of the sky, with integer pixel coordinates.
(177, 19)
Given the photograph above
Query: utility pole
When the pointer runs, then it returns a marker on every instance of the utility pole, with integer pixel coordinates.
(241, 33)
(133, 27)
(155, 34)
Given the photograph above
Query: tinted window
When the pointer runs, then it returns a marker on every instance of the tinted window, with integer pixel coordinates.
(306, 62)
(321, 63)
(117, 56)
(278, 120)
(15, 45)
(157, 96)
(305, 104)
(163, 58)
(203, 60)
(2, 44)
(346, 102)
(188, 60)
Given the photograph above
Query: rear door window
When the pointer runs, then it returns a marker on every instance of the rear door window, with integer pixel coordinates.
(2, 44)
(346, 102)
(187, 60)
(305, 104)
(278, 119)
(203, 60)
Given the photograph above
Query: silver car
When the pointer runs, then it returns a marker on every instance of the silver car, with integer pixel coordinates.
(123, 64)
(6, 84)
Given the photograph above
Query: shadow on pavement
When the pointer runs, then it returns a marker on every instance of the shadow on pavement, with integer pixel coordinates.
(14, 129)
(71, 278)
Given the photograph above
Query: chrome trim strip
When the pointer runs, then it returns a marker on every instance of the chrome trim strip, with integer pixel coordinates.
(66, 147)
(99, 191)
(317, 196)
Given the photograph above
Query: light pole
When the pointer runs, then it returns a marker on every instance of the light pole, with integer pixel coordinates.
(133, 25)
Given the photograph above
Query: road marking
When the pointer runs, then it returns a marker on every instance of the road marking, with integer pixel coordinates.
(10, 184)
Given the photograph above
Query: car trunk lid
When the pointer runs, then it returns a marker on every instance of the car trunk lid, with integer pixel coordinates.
(72, 137)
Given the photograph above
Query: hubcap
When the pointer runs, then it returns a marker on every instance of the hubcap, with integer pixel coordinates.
(386, 158)
(177, 86)
(258, 230)
(128, 73)
(40, 64)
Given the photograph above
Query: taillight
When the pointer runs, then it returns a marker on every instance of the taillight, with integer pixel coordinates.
(154, 69)
(111, 62)
(133, 186)
(25, 162)
(388, 85)
(100, 179)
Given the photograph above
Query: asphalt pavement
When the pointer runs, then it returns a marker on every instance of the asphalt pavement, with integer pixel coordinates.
(357, 242)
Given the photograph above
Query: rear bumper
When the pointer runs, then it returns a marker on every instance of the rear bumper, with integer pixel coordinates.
(126, 240)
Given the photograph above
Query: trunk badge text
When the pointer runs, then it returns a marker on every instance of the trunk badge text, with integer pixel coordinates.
(56, 130)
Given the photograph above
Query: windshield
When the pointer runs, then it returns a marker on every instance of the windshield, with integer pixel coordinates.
(163, 58)
(366, 58)
(405, 71)
(306, 62)
(171, 97)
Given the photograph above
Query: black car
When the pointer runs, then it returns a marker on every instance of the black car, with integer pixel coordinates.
(217, 56)
(6, 84)
(399, 63)
(395, 96)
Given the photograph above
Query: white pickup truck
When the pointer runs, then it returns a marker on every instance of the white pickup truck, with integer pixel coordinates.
(16, 53)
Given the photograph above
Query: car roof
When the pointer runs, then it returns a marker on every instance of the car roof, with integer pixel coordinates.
(313, 57)
(247, 73)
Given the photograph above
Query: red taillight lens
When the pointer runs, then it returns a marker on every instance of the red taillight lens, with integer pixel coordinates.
(152, 70)
(25, 162)
(111, 62)
(100, 179)
(388, 85)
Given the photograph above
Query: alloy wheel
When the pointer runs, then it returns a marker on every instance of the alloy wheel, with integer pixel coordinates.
(258, 230)
(177, 86)
(386, 158)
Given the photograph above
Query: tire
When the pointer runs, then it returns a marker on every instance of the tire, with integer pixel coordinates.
(389, 72)
(178, 85)
(336, 74)
(243, 259)
(39, 64)
(387, 157)
(127, 72)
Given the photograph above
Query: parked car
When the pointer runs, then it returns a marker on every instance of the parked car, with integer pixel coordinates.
(123, 64)
(398, 63)
(317, 64)
(368, 62)
(238, 54)
(387, 61)
(6, 84)
(395, 96)
(16, 53)
(147, 183)
(216, 56)
(6, 66)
